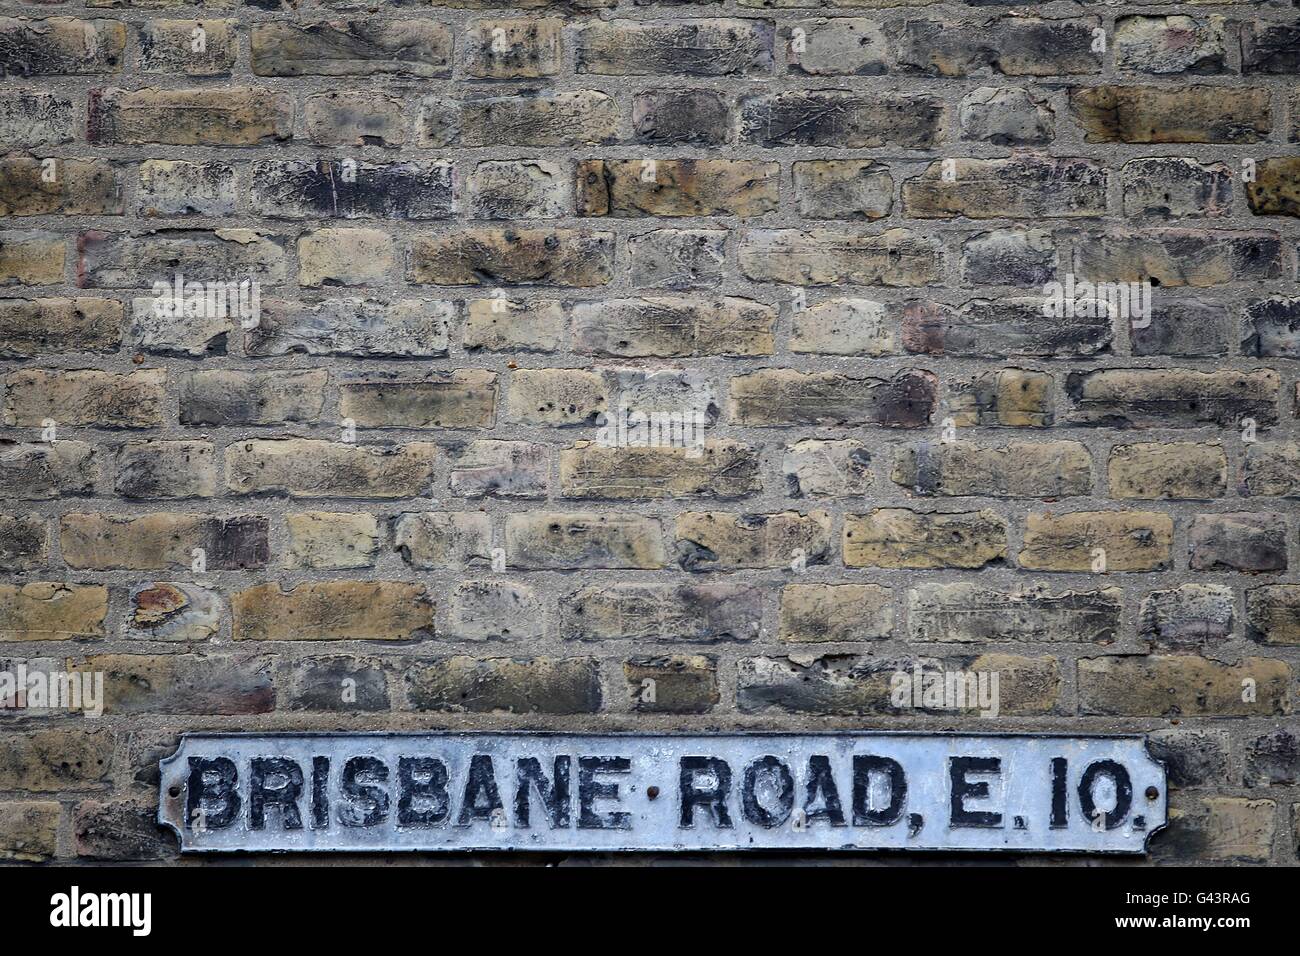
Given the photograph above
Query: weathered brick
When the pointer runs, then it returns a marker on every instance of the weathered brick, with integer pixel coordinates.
(1009, 397)
(351, 48)
(24, 542)
(1175, 44)
(849, 120)
(512, 49)
(1192, 758)
(355, 118)
(722, 541)
(31, 118)
(1016, 188)
(464, 398)
(1182, 686)
(183, 683)
(814, 613)
(499, 324)
(536, 118)
(31, 257)
(510, 469)
(816, 468)
(843, 189)
(1270, 47)
(1171, 398)
(847, 327)
(1217, 830)
(675, 260)
(160, 540)
(50, 761)
(719, 468)
(157, 469)
(715, 47)
(1273, 614)
(1271, 327)
(1275, 190)
(35, 472)
(364, 328)
(544, 540)
(176, 188)
(334, 611)
(134, 261)
(787, 397)
(681, 117)
(49, 611)
(29, 830)
(1238, 541)
(331, 540)
(85, 397)
(352, 189)
(62, 187)
(1169, 470)
(495, 611)
(557, 396)
(1185, 114)
(443, 539)
(843, 46)
(60, 45)
(120, 830)
(1005, 328)
(334, 684)
(1272, 469)
(1170, 187)
(669, 326)
(557, 257)
(676, 187)
(334, 257)
(1020, 257)
(520, 189)
(901, 538)
(677, 684)
(210, 116)
(839, 684)
(174, 611)
(307, 468)
(663, 613)
(499, 684)
(234, 397)
(1189, 617)
(1006, 116)
(163, 324)
(966, 613)
(1188, 328)
(1014, 46)
(169, 46)
(1019, 469)
(33, 327)
(817, 257)
(1080, 541)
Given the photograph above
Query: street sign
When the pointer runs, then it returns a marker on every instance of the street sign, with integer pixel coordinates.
(662, 792)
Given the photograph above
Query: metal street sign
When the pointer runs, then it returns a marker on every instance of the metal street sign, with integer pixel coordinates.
(745, 791)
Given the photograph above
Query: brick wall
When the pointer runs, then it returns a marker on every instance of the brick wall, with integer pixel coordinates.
(480, 230)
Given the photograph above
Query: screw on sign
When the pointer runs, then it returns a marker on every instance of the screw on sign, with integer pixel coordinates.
(539, 791)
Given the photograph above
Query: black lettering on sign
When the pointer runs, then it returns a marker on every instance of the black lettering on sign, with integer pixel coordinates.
(760, 775)
(864, 765)
(1123, 791)
(1060, 817)
(962, 788)
(365, 792)
(820, 787)
(712, 796)
(589, 791)
(211, 800)
(274, 782)
(482, 799)
(422, 798)
(554, 795)
(320, 794)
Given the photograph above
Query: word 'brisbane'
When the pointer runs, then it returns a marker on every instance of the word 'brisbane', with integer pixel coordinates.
(589, 792)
